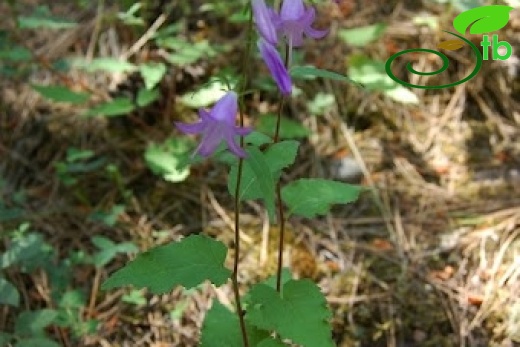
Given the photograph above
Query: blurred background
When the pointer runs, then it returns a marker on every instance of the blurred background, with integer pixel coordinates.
(90, 175)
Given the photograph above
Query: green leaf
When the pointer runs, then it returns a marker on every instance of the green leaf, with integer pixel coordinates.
(310, 72)
(22, 250)
(152, 74)
(188, 263)
(289, 129)
(116, 107)
(311, 197)
(166, 159)
(37, 342)
(108, 250)
(42, 18)
(269, 342)
(8, 293)
(103, 64)
(75, 154)
(61, 94)
(300, 314)
(373, 76)
(321, 103)
(277, 157)
(264, 177)
(205, 96)
(145, 97)
(33, 323)
(5, 338)
(485, 19)
(362, 36)
(222, 329)
(15, 54)
(108, 218)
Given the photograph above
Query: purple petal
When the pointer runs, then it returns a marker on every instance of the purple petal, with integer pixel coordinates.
(225, 110)
(210, 141)
(233, 146)
(276, 66)
(205, 116)
(308, 20)
(263, 19)
(292, 10)
(243, 131)
(195, 128)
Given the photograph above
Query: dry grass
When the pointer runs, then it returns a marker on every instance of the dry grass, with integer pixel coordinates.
(431, 258)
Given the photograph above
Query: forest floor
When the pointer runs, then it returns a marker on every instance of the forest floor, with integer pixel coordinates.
(430, 256)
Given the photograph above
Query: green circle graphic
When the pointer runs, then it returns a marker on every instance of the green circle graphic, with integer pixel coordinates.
(445, 64)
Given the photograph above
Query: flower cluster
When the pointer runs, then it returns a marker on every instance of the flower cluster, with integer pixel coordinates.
(293, 21)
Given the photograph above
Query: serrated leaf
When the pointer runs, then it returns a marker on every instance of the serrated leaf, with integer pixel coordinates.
(114, 108)
(188, 263)
(451, 45)
(311, 197)
(278, 156)
(8, 293)
(362, 36)
(300, 314)
(61, 94)
(33, 323)
(221, 329)
(152, 74)
(145, 97)
(485, 19)
(289, 129)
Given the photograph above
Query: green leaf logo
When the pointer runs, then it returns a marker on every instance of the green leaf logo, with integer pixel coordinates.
(482, 19)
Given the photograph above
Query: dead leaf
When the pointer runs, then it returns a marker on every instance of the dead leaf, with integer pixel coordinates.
(451, 45)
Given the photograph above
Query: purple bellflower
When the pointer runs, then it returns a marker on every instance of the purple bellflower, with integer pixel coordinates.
(276, 66)
(217, 125)
(292, 22)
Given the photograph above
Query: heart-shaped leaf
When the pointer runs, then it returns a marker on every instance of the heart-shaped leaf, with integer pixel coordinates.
(483, 19)
(451, 45)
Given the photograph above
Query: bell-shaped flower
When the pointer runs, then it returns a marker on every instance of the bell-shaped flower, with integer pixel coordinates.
(263, 16)
(216, 125)
(276, 66)
(293, 21)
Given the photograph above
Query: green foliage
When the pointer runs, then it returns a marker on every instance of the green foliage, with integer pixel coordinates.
(311, 72)
(312, 197)
(146, 96)
(8, 293)
(321, 103)
(118, 107)
(167, 159)
(112, 65)
(373, 76)
(108, 250)
(41, 18)
(61, 94)
(289, 129)
(182, 52)
(77, 162)
(362, 36)
(188, 263)
(33, 323)
(300, 313)
(152, 74)
(108, 218)
(261, 171)
(206, 95)
(221, 329)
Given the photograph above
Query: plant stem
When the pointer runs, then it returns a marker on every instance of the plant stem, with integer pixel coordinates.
(281, 217)
(234, 277)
